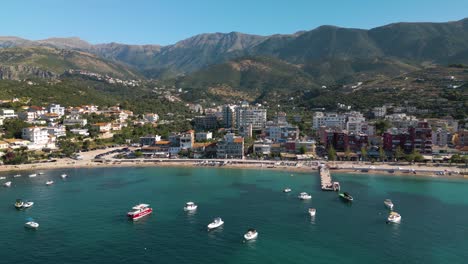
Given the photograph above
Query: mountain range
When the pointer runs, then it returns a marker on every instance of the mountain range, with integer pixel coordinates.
(250, 64)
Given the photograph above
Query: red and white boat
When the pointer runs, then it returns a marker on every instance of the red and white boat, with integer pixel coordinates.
(138, 211)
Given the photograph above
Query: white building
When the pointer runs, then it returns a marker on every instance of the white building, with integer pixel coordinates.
(203, 136)
(75, 120)
(81, 132)
(230, 147)
(57, 131)
(254, 116)
(37, 135)
(379, 112)
(7, 113)
(151, 117)
(330, 120)
(56, 109)
(441, 137)
(186, 140)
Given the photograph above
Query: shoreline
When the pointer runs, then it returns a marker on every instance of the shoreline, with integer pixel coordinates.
(381, 169)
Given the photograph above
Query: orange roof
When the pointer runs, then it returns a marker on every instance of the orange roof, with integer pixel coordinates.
(101, 124)
(37, 108)
(239, 140)
(163, 142)
(200, 145)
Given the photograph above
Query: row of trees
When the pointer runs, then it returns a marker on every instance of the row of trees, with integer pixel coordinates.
(398, 155)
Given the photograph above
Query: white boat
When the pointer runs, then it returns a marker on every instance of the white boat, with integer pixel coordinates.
(28, 205)
(32, 175)
(49, 182)
(217, 222)
(304, 196)
(2, 178)
(312, 211)
(17, 175)
(63, 176)
(287, 190)
(388, 203)
(41, 173)
(19, 204)
(190, 206)
(31, 224)
(394, 217)
(7, 184)
(251, 234)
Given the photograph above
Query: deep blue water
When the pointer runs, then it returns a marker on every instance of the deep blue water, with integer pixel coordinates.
(83, 218)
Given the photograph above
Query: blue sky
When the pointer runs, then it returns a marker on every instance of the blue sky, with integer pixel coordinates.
(166, 22)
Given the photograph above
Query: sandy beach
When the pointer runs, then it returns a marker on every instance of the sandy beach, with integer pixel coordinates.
(88, 161)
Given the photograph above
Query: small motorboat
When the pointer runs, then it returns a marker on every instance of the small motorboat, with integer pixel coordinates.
(32, 175)
(304, 196)
(312, 211)
(63, 176)
(48, 183)
(19, 204)
(217, 222)
(190, 206)
(41, 173)
(388, 203)
(394, 217)
(287, 190)
(2, 178)
(7, 184)
(27, 204)
(139, 210)
(251, 234)
(346, 197)
(31, 224)
(17, 176)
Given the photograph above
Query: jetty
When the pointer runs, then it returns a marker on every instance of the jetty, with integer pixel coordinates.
(326, 180)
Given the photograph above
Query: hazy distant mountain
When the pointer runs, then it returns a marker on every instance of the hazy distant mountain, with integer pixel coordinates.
(395, 48)
(45, 62)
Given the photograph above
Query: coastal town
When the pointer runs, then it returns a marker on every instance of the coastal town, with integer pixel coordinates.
(242, 132)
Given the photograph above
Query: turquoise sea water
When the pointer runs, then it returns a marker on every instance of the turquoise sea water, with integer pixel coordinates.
(83, 218)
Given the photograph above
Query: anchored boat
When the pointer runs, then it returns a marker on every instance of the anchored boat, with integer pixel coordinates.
(251, 234)
(19, 204)
(304, 196)
(217, 222)
(388, 203)
(31, 224)
(346, 197)
(138, 211)
(394, 217)
(190, 206)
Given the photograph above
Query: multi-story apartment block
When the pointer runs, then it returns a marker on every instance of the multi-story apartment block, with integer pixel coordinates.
(379, 112)
(203, 136)
(37, 135)
(229, 116)
(187, 139)
(330, 120)
(149, 140)
(75, 120)
(417, 138)
(57, 131)
(230, 147)
(254, 116)
(206, 122)
(56, 109)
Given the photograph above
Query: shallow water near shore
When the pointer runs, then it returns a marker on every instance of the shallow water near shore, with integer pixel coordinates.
(82, 218)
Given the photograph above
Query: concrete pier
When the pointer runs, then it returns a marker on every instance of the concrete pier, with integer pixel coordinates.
(326, 180)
